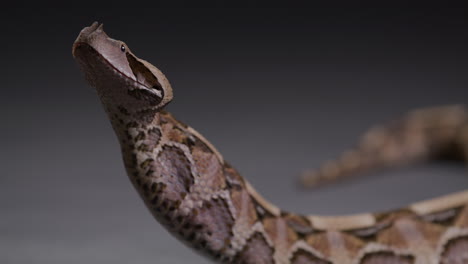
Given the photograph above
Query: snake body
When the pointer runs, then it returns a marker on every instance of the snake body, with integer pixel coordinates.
(203, 201)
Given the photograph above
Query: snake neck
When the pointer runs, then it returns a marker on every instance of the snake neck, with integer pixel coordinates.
(189, 188)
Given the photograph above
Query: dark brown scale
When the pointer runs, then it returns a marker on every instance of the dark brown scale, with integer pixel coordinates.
(131, 124)
(227, 242)
(191, 237)
(233, 179)
(140, 136)
(369, 233)
(203, 243)
(151, 139)
(188, 182)
(144, 95)
(217, 255)
(299, 224)
(386, 257)
(154, 130)
(164, 205)
(155, 200)
(127, 134)
(215, 221)
(304, 257)
(123, 110)
(146, 163)
(200, 145)
(145, 189)
(262, 212)
(133, 158)
(256, 251)
(190, 141)
(181, 233)
(143, 148)
(154, 186)
(168, 218)
(179, 219)
(187, 225)
(149, 173)
(446, 217)
(456, 251)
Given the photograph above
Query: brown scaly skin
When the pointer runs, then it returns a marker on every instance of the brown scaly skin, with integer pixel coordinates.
(203, 201)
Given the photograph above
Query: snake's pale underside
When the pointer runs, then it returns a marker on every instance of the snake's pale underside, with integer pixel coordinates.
(203, 201)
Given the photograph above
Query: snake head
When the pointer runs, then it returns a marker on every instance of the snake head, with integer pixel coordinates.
(121, 78)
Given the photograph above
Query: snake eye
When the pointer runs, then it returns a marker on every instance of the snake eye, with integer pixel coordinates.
(122, 48)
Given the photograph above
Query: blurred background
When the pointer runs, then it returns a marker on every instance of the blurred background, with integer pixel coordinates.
(277, 91)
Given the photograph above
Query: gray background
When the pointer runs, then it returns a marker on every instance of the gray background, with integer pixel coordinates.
(277, 91)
